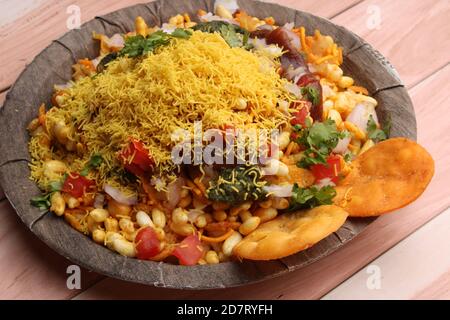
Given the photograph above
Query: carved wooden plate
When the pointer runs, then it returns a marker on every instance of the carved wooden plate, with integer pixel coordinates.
(53, 66)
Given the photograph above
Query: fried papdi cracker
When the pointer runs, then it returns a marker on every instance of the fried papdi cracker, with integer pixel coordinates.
(290, 233)
(388, 176)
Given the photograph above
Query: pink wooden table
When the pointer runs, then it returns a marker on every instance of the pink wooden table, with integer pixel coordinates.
(407, 251)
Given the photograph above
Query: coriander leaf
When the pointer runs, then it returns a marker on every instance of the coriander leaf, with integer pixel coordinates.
(324, 134)
(308, 122)
(245, 39)
(312, 94)
(134, 46)
(234, 35)
(311, 158)
(230, 36)
(348, 157)
(94, 162)
(41, 202)
(373, 132)
(56, 185)
(236, 185)
(311, 197)
(215, 26)
(85, 171)
(181, 33)
(318, 140)
(138, 45)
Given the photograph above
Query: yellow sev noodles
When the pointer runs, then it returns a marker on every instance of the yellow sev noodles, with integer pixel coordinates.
(201, 78)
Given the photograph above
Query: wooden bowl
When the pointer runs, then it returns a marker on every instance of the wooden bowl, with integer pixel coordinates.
(53, 66)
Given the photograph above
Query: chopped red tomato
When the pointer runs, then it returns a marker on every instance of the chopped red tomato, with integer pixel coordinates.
(189, 251)
(330, 170)
(306, 79)
(76, 185)
(147, 243)
(136, 158)
(300, 117)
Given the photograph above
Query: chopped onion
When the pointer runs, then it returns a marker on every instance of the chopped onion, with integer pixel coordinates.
(158, 183)
(230, 5)
(211, 17)
(360, 115)
(96, 61)
(99, 200)
(269, 49)
(327, 91)
(289, 26)
(116, 41)
(284, 190)
(265, 27)
(312, 68)
(295, 39)
(325, 182)
(193, 214)
(174, 192)
(168, 28)
(294, 89)
(296, 74)
(117, 195)
(274, 51)
(283, 105)
(342, 146)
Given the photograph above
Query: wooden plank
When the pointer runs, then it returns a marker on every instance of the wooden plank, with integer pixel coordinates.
(16, 51)
(30, 269)
(21, 251)
(402, 23)
(22, 41)
(60, 236)
(324, 8)
(292, 290)
(319, 278)
(406, 270)
(12, 10)
(438, 289)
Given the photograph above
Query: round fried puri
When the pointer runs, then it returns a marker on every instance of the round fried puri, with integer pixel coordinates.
(290, 233)
(388, 176)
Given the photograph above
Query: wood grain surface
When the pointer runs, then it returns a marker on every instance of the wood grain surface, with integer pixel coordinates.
(415, 279)
(316, 280)
(20, 45)
(412, 34)
(401, 21)
(35, 85)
